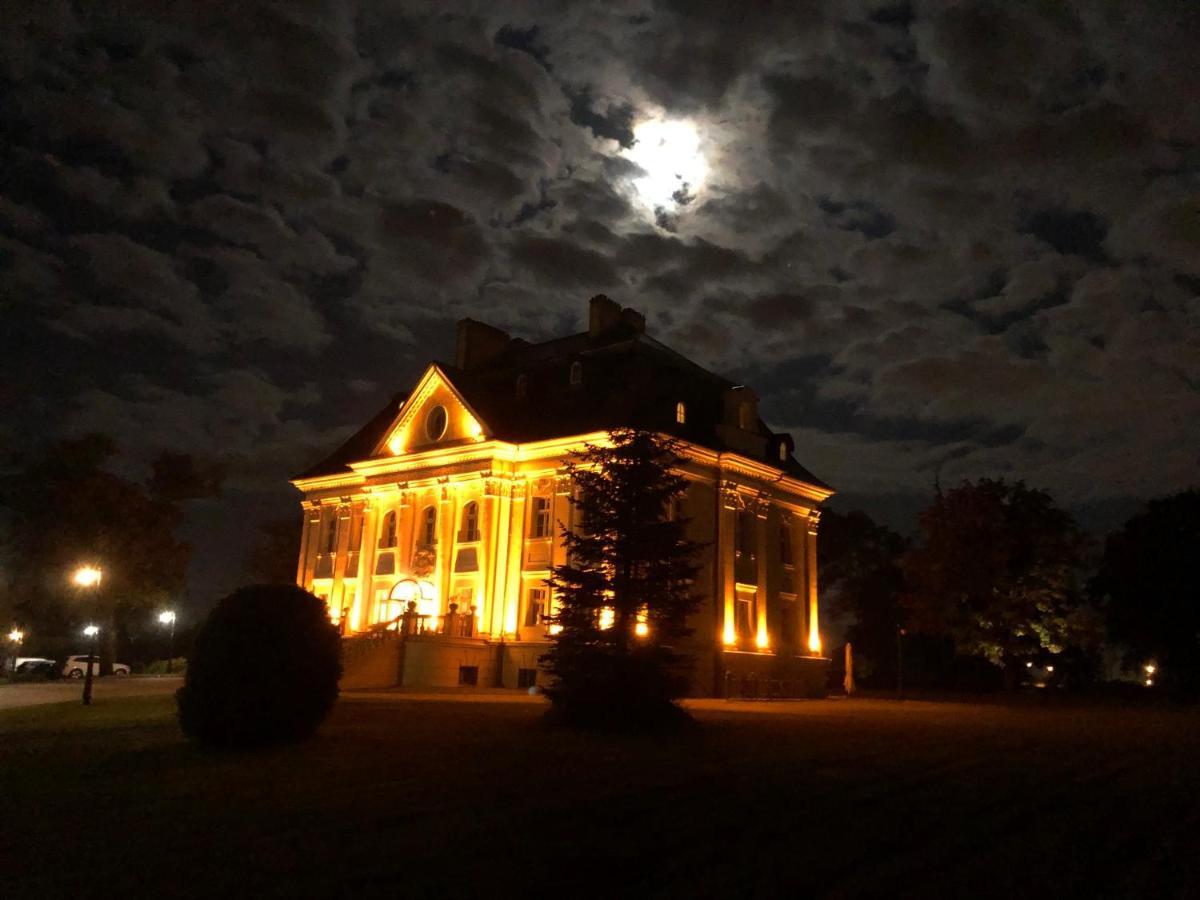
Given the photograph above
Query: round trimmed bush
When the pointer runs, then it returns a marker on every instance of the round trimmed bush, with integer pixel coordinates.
(264, 669)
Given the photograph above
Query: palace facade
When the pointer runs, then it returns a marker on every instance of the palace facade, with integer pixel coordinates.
(431, 531)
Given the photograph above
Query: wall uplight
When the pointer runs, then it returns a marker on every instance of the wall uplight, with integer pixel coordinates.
(730, 635)
(762, 640)
(814, 641)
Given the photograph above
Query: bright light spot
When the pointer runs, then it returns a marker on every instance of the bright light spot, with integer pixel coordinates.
(761, 640)
(1029, 665)
(556, 629)
(396, 444)
(474, 429)
(607, 617)
(730, 636)
(1149, 682)
(87, 576)
(91, 630)
(166, 617)
(1049, 668)
(16, 635)
(1151, 668)
(669, 154)
(814, 641)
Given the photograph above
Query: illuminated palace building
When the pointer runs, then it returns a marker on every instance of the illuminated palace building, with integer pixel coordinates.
(431, 531)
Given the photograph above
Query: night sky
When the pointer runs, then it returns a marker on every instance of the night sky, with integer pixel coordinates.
(940, 240)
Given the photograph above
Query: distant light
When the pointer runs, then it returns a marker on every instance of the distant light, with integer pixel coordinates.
(641, 629)
(87, 576)
(556, 629)
(1029, 665)
(1049, 668)
(1151, 668)
(668, 153)
(91, 630)
(1149, 682)
(607, 617)
(166, 617)
(16, 635)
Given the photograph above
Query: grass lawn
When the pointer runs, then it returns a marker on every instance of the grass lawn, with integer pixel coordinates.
(401, 795)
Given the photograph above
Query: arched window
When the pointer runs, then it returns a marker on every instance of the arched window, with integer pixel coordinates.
(470, 523)
(387, 531)
(428, 536)
(680, 412)
(577, 372)
(522, 387)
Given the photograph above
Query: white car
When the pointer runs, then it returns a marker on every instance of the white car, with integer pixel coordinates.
(76, 667)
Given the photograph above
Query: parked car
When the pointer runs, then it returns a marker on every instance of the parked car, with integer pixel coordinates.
(35, 665)
(76, 666)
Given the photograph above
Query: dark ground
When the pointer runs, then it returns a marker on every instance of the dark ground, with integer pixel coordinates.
(402, 795)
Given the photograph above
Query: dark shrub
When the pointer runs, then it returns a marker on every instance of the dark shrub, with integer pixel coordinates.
(264, 669)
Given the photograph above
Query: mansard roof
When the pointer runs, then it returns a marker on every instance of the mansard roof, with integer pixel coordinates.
(628, 380)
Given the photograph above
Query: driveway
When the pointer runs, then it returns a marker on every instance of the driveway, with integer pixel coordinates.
(38, 693)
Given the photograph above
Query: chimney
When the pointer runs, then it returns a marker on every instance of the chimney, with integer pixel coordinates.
(478, 344)
(603, 315)
(634, 319)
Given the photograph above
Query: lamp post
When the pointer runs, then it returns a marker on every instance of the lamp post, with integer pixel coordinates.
(15, 637)
(167, 617)
(88, 577)
(91, 631)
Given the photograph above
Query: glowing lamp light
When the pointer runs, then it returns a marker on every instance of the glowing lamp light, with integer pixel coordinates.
(814, 642)
(91, 630)
(475, 430)
(607, 617)
(396, 443)
(1151, 668)
(1149, 682)
(730, 635)
(556, 629)
(1029, 665)
(761, 640)
(16, 635)
(166, 617)
(641, 629)
(1049, 668)
(87, 576)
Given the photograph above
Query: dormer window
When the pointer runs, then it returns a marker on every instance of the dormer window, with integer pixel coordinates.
(782, 452)
(576, 376)
(522, 387)
(681, 412)
(745, 416)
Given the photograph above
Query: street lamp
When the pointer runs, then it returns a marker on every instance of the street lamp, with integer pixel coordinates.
(15, 637)
(167, 617)
(88, 576)
(91, 631)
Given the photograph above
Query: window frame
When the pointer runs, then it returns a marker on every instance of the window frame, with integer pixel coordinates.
(468, 532)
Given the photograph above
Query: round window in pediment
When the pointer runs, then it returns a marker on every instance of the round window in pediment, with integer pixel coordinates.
(435, 423)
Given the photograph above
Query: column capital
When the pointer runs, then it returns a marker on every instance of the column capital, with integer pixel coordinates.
(814, 520)
(730, 499)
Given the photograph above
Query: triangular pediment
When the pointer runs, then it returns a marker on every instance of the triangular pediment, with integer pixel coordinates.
(420, 426)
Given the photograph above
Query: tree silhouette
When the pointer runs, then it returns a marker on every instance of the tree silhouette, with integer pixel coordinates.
(624, 595)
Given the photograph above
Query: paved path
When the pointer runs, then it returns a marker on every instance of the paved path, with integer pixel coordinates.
(38, 693)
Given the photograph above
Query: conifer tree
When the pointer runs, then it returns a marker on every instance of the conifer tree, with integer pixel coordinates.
(625, 592)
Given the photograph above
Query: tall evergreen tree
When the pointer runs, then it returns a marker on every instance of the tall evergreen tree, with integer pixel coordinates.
(624, 595)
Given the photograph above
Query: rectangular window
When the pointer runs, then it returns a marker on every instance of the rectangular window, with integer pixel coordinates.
(468, 675)
(535, 606)
(744, 616)
(541, 517)
(526, 678)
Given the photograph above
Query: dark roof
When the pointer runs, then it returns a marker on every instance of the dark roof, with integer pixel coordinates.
(629, 380)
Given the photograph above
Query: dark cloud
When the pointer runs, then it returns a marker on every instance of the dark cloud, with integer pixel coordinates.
(955, 236)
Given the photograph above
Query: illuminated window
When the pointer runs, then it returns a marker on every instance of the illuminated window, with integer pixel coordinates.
(387, 531)
(428, 536)
(576, 372)
(680, 412)
(745, 417)
(435, 423)
(522, 387)
(541, 517)
(535, 606)
(470, 523)
(782, 452)
(785, 543)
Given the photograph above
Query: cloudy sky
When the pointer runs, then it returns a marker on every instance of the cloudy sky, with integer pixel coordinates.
(953, 238)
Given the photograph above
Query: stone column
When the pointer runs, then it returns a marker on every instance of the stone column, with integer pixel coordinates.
(762, 639)
(500, 563)
(366, 564)
(726, 524)
(447, 520)
(810, 572)
(312, 544)
(516, 550)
